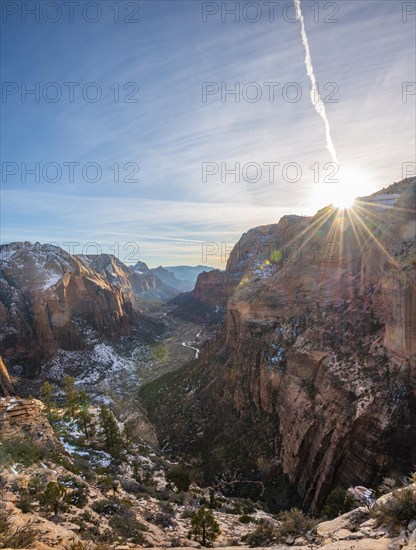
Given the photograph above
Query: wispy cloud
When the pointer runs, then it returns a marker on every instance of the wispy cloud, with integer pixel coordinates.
(171, 132)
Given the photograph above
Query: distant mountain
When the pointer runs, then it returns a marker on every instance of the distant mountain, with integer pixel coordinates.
(50, 300)
(138, 283)
(169, 279)
(185, 274)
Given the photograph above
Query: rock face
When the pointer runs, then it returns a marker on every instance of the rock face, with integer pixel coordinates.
(310, 383)
(212, 288)
(255, 251)
(50, 299)
(24, 418)
(64, 455)
(138, 283)
(5, 382)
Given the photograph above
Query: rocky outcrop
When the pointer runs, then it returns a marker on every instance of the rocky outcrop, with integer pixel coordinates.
(310, 382)
(75, 464)
(168, 279)
(24, 418)
(212, 288)
(257, 252)
(50, 299)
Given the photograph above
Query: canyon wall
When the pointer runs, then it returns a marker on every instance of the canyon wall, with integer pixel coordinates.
(310, 383)
(50, 300)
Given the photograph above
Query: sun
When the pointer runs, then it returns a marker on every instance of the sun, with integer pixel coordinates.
(344, 198)
(343, 188)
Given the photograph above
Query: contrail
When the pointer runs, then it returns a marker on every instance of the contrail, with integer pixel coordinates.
(315, 97)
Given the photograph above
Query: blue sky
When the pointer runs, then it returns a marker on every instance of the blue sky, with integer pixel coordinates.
(170, 132)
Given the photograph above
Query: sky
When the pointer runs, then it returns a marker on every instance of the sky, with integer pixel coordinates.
(133, 142)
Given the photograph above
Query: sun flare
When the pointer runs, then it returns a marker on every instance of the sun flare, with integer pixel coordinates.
(343, 188)
(344, 199)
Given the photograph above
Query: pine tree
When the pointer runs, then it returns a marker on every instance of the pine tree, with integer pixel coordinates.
(110, 430)
(205, 528)
(47, 393)
(70, 396)
(54, 497)
(84, 414)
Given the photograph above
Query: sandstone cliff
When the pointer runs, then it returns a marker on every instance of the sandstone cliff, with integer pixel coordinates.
(138, 283)
(255, 251)
(310, 383)
(24, 418)
(50, 299)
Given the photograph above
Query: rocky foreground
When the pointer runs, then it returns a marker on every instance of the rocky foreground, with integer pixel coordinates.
(105, 503)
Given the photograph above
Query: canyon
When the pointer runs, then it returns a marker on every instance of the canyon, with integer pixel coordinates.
(290, 373)
(310, 382)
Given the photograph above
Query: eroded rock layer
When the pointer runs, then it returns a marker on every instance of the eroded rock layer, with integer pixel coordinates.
(50, 299)
(310, 383)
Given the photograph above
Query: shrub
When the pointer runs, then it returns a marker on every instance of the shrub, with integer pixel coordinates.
(77, 492)
(54, 497)
(263, 535)
(78, 497)
(294, 523)
(22, 537)
(163, 519)
(89, 517)
(23, 451)
(241, 507)
(24, 502)
(5, 524)
(180, 477)
(205, 529)
(397, 510)
(245, 518)
(387, 485)
(36, 484)
(127, 526)
(106, 507)
(339, 502)
(78, 545)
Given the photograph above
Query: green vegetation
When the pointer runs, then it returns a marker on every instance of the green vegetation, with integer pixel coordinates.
(47, 396)
(20, 537)
(22, 451)
(125, 524)
(84, 414)
(71, 396)
(339, 502)
(205, 528)
(245, 518)
(54, 497)
(397, 510)
(179, 477)
(263, 535)
(76, 491)
(105, 507)
(110, 431)
(294, 523)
